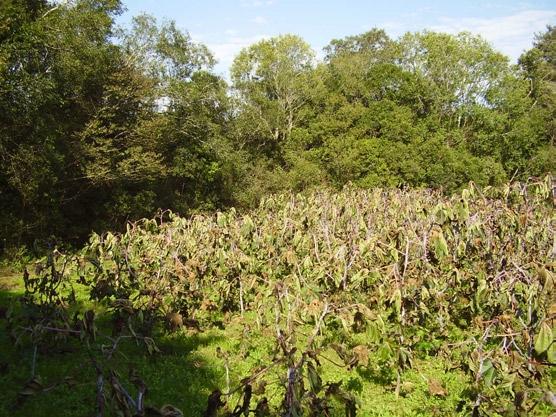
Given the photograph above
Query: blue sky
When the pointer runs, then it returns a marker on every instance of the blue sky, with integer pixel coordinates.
(226, 26)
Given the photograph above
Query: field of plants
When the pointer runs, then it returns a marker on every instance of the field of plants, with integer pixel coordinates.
(352, 303)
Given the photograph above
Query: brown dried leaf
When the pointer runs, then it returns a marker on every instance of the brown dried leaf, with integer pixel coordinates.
(436, 388)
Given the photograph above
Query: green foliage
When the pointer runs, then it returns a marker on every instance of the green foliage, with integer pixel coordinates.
(372, 282)
(429, 109)
(54, 60)
(272, 82)
(539, 67)
(93, 132)
(100, 125)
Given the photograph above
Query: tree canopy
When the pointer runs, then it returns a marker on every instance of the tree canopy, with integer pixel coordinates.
(100, 124)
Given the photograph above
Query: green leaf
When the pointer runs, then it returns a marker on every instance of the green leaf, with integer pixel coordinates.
(397, 300)
(384, 352)
(551, 353)
(440, 246)
(373, 333)
(544, 338)
(221, 219)
(487, 372)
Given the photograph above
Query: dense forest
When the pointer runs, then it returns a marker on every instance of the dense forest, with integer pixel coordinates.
(101, 124)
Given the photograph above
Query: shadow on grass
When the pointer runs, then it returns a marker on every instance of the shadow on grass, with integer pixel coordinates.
(180, 374)
(383, 375)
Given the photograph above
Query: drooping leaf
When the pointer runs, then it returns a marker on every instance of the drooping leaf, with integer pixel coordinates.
(543, 339)
(314, 378)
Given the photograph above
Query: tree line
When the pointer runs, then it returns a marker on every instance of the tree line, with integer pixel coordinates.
(101, 124)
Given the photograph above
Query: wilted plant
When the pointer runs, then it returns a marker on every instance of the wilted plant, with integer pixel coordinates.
(470, 278)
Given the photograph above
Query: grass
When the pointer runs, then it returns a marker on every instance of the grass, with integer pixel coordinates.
(188, 369)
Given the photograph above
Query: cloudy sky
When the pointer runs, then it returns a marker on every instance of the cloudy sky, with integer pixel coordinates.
(226, 26)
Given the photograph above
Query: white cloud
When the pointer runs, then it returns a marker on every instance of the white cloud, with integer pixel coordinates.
(226, 51)
(510, 34)
(259, 20)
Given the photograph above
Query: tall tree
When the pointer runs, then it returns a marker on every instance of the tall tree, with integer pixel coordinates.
(190, 125)
(53, 64)
(271, 81)
(539, 67)
(271, 86)
(94, 132)
(457, 72)
(399, 112)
